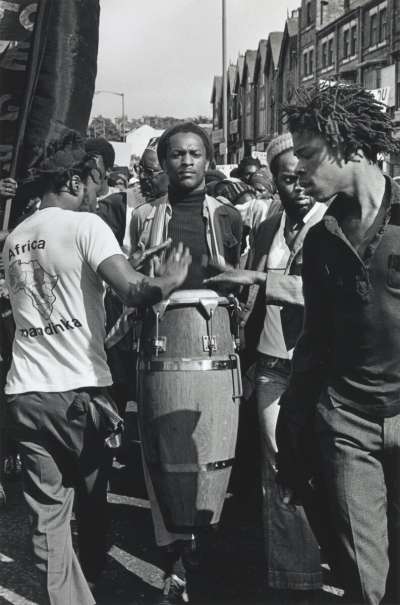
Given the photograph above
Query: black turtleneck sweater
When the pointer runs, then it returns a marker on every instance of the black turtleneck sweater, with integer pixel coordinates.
(187, 225)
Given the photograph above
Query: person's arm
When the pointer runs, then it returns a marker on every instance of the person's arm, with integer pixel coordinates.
(237, 230)
(242, 277)
(112, 210)
(309, 368)
(284, 289)
(136, 289)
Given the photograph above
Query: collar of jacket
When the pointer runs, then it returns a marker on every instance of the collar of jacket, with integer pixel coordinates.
(161, 213)
(332, 216)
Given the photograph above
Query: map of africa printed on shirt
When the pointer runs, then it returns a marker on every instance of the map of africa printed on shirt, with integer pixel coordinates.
(36, 283)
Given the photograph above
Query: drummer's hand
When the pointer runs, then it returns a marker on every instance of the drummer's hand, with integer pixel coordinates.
(176, 266)
(139, 257)
(3, 235)
(8, 187)
(242, 277)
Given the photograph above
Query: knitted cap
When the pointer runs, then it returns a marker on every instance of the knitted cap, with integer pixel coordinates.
(278, 145)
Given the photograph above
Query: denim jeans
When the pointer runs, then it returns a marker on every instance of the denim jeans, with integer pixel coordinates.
(361, 467)
(292, 552)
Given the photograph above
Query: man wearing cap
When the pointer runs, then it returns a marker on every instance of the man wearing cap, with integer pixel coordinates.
(116, 209)
(273, 316)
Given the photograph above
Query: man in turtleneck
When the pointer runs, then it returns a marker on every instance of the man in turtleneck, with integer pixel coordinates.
(212, 230)
(211, 227)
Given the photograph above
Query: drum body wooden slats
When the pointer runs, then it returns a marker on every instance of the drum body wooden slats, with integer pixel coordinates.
(188, 411)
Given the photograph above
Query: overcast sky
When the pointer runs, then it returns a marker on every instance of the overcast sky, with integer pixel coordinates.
(163, 54)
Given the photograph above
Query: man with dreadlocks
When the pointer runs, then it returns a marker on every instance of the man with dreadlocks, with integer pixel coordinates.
(346, 371)
(59, 410)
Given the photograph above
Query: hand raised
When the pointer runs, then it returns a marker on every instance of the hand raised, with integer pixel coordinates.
(8, 187)
(176, 266)
(138, 258)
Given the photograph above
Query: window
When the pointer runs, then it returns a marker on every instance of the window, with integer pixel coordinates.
(324, 55)
(292, 56)
(353, 40)
(311, 61)
(378, 24)
(346, 43)
(323, 11)
(308, 14)
(308, 62)
(346, 5)
(382, 24)
(330, 51)
(373, 29)
(398, 84)
(372, 78)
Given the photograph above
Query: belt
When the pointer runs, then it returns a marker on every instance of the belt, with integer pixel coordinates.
(269, 361)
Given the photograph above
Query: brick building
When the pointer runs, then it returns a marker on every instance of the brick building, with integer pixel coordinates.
(351, 40)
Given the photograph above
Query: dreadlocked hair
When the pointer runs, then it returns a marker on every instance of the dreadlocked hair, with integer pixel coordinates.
(344, 115)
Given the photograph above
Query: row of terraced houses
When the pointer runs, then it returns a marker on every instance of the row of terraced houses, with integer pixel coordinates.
(351, 40)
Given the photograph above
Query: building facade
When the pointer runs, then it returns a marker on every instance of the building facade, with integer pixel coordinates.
(349, 40)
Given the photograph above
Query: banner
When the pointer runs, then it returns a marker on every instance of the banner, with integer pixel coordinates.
(66, 78)
(48, 66)
(17, 23)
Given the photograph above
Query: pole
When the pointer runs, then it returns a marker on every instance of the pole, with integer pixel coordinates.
(224, 84)
(123, 117)
(122, 95)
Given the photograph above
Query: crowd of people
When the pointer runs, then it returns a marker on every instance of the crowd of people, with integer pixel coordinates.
(308, 247)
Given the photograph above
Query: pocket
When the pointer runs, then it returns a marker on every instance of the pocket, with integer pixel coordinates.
(393, 273)
(229, 240)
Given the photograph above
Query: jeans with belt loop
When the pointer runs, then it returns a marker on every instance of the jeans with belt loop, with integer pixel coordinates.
(292, 552)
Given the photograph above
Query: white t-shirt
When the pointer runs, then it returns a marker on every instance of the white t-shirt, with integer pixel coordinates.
(51, 262)
(272, 341)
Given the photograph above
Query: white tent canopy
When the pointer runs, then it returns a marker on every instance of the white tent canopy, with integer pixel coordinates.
(139, 138)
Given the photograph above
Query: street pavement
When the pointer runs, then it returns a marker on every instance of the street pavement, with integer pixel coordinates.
(232, 563)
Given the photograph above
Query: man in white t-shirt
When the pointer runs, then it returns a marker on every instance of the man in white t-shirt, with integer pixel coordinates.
(274, 314)
(56, 261)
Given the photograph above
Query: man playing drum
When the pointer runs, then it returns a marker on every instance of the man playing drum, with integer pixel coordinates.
(211, 228)
(56, 261)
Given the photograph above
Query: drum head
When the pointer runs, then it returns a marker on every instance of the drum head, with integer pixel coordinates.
(193, 297)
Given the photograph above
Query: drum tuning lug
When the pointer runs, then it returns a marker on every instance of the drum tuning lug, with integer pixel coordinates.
(209, 344)
(208, 306)
(159, 345)
(160, 308)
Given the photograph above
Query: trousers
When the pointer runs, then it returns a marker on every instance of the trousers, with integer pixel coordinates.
(360, 458)
(292, 551)
(63, 459)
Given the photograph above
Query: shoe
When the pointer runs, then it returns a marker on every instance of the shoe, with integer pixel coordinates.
(174, 591)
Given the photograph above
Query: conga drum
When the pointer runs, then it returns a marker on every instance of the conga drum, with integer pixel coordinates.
(189, 392)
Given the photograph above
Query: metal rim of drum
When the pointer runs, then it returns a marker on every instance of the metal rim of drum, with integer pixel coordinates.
(188, 365)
